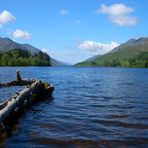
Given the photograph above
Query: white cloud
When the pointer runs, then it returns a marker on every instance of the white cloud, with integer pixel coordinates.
(116, 9)
(94, 48)
(6, 17)
(63, 12)
(21, 34)
(47, 51)
(124, 20)
(119, 14)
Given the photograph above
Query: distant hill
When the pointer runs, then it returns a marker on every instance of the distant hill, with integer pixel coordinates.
(57, 63)
(35, 50)
(31, 49)
(7, 44)
(9, 47)
(133, 53)
(92, 58)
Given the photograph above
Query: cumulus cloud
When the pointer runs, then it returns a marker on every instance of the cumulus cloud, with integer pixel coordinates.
(116, 9)
(124, 20)
(63, 12)
(6, 17)
(119, 14)
(94, 48)
(21, 34)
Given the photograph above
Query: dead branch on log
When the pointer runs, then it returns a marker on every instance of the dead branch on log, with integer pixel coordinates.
(17, 82)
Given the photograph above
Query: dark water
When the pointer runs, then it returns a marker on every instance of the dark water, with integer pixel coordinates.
(91, 107)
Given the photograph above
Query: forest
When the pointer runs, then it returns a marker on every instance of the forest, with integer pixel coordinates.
(19, 57)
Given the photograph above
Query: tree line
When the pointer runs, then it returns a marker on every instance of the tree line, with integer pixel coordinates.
(140, 61)
(127, 63)
(19, 57)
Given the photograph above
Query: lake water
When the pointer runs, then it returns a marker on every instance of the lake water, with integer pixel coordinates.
(91, 107)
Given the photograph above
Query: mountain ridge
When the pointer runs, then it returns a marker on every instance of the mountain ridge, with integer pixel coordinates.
(133, 53)
(7, 45)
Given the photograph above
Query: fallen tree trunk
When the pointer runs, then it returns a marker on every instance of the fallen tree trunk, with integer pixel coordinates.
(33, 92)
(17, 82)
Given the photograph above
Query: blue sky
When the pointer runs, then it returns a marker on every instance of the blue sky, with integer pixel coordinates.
(73, 30)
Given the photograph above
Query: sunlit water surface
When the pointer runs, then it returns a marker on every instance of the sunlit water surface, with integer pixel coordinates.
(90, 107)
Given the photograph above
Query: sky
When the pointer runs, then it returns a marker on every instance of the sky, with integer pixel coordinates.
(73, 30)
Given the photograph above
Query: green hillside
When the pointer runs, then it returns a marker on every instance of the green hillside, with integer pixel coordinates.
(16, 54)
(133, 53)
(19, 57)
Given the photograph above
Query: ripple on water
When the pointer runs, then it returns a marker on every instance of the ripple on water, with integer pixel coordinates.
(92, 107)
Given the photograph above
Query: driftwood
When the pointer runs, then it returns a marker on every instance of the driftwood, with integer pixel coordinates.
(34, 91)
(17, 82)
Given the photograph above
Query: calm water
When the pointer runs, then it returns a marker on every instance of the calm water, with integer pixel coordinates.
(92, 107)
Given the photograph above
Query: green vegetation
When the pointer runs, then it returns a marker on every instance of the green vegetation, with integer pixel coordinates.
(130, 54)
(19, 57)
(114, 61)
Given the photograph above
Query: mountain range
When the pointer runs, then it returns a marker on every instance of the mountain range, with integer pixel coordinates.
(7, 45)
(133, 53)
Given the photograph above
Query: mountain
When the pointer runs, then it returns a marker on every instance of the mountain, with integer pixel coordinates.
(8, 45)
(57, 63)
(133, 53)
(35, 50)
(92, 58)
(15, 54)
(32, 49)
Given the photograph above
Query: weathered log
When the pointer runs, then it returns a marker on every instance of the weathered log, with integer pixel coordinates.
(3, 104)
(34, 90)
(17, 82)
(14, 102)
